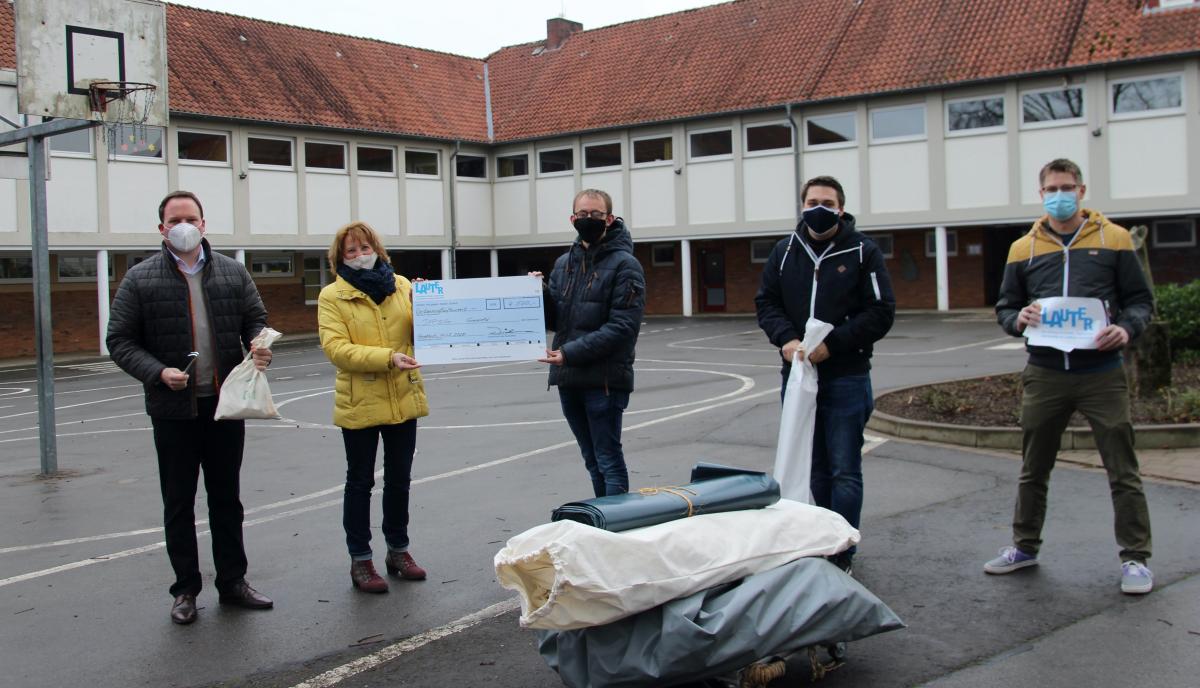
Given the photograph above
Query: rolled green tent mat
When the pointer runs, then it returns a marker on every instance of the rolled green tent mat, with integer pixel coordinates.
(713, 489)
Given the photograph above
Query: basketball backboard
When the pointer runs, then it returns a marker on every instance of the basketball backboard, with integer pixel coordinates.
(65, 46)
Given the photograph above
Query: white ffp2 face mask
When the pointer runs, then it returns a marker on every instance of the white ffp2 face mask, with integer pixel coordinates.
(184, 237)
(364, 262)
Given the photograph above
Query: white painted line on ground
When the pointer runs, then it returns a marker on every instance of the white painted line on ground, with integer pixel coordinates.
(940, 351)
(337, 675)
(683, 343)
(1008, 346)
(70, 406)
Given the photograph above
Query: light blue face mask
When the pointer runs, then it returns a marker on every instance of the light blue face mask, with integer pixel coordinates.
(1061, 205)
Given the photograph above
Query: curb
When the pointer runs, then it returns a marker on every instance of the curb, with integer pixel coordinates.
(1179, 436)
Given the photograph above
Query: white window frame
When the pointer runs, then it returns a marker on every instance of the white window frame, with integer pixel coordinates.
(86, 278)
(653, 163)
(91, 154)
(853, 143)
(487, 168)
(768, 243)
(924, 136)
(270, 255)
(368, 173)
(655, 262)
(18, 280)
(1147, 114)
(955, 133)
(1175, 244)
(1172, 4)
(204, 163)
(160, 160)
(607, 168)
(322, 269)
(345, 168)
(874, 236)
(709, 158)
(415, 175)
(263, 166)
(554, 149)
(770, 151)
(517, 177)
(931, 243)
(1082, 119)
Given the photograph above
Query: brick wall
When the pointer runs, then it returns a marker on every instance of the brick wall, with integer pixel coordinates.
(73, 320)
(914, 275)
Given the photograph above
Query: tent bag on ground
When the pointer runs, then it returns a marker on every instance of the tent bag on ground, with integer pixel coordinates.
(713, 489)
(720, 630)
(569, 575)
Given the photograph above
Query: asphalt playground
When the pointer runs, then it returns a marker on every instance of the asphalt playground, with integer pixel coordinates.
(84, 577)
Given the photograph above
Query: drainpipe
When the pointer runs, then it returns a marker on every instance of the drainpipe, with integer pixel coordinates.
(795, 161)
(453, 172)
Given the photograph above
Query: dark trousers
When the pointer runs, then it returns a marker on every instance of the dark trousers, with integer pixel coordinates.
(399, 444)
(844, 404)
(184, 447)
(595, 418)
(1050, 397)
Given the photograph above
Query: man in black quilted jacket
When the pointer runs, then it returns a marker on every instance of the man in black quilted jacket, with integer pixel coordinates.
(594, 302)
(188, 299)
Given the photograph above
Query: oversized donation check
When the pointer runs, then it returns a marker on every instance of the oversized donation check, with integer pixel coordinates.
(478, 320)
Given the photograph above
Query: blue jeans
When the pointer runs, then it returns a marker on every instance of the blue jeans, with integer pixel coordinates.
(595, 418)
(399, 444)
(843, 406)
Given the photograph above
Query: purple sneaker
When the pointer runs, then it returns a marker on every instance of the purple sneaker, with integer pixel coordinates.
(1010, 560)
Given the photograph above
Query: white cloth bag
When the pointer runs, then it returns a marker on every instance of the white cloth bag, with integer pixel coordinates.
(570, 575)
(793, 452)
(245, 393)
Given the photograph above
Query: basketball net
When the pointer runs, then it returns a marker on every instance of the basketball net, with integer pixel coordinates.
(125, 107)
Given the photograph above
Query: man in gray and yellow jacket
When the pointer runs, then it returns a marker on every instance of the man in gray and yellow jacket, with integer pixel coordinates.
(1073, 251)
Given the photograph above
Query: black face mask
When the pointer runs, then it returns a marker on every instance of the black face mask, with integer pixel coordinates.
(590, 229)
(820, 219)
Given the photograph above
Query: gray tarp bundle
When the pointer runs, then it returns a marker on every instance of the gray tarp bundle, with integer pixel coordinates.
(720, 630)
(713, 489)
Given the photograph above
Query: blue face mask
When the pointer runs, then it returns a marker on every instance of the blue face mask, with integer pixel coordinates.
(1061, 205)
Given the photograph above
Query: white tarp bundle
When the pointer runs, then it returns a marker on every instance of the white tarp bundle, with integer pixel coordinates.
(793, 453)
(570, 575)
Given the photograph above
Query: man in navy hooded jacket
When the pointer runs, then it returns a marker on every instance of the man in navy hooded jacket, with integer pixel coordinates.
(594, 302)
(829, 271)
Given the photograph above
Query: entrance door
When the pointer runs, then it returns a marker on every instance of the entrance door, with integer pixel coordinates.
(996, 241)
(712, 280)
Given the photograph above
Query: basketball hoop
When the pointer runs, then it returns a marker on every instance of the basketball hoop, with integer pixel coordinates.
(124, 107)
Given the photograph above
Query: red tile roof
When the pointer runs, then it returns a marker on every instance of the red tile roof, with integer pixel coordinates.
(736, 56)
(222, 65)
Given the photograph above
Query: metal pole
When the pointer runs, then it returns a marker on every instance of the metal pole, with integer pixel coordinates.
(43, 330)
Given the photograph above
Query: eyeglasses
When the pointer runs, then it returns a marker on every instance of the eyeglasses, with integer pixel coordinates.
(595, 215)
(1065, 188)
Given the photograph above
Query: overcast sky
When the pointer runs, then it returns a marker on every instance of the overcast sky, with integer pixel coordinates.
(475, 28)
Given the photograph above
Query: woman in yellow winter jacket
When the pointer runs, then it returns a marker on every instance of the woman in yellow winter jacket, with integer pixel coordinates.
(366, 326)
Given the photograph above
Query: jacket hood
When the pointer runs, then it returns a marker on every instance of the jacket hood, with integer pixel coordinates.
(1093, 221)
(616, 238)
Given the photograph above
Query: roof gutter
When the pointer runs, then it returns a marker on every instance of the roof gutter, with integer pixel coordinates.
(795, 160)
(487, 102)
(453, 174)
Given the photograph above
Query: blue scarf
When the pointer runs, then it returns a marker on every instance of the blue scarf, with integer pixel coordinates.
(379, 282)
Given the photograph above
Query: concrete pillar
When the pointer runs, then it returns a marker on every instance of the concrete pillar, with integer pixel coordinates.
(685, 270)
(446, 264)
(240, 255)
(102, 297)
(943, 269)
(494, 262)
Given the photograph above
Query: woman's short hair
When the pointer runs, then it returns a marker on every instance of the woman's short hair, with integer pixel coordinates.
(360, 230)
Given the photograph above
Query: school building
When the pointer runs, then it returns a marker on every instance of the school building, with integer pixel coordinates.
(702, 125)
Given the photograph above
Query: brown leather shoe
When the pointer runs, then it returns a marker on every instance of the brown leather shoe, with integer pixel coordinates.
(183, 611)
(242, 595)
(364, 577)
(402, 563)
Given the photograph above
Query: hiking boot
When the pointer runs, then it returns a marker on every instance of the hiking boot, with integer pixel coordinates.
(844, 561)
(364, 577)
(1136, 579)
(402, 563)
(1010, 560)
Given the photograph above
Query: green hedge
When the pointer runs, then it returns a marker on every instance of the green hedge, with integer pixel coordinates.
(1179, 307)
